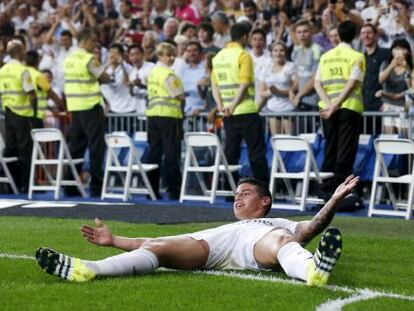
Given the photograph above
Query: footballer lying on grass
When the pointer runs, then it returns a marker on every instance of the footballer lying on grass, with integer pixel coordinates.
(253, 243)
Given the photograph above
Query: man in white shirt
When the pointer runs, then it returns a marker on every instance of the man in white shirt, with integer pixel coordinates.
(138, 77)
(254, 243)
(116, 93)
(61, 52)
(193, 71)
(260, 55)
(22, 20)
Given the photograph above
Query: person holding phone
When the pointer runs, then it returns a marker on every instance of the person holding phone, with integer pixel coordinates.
(395, 76)
(117, 93)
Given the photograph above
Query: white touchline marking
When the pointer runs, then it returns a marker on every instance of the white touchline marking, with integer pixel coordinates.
(365, 294)
(337, 304)
(269, 278)
(359, 294)
(13, 256)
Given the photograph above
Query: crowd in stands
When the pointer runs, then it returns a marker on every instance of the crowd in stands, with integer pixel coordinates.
(287, 40)
(287, 36)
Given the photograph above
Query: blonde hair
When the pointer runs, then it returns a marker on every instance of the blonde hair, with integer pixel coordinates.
(281, 43)
(165, 48)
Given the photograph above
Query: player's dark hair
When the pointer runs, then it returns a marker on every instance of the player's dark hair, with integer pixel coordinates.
(261, 187)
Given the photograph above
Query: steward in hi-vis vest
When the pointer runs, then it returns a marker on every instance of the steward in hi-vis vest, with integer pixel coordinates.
(20, 106)
(42, 87)
(233, 90)
(338, 82)
(227, 72)
(83, 73)
(335, 73)
(81, 87)
(160, 101)
(164, 114)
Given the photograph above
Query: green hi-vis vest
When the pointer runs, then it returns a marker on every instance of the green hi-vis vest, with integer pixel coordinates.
(41, 95)
(160, 103)
(335, 70)
(81, 88)
(11, 89)
(226, 68)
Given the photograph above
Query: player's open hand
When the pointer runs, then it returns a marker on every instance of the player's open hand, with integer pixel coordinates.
(100, 235)
(346, 187)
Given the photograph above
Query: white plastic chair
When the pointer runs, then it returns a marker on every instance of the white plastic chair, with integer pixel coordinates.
(191, 164)
(115, 142)
(286, 143)
(381, 175)
(43, 138)
(8, 178)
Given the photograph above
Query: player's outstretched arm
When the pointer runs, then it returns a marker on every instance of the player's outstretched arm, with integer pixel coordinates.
(101, 235)
(307, 230)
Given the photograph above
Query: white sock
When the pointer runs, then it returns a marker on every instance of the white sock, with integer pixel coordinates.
(294, 260)
(139, 261)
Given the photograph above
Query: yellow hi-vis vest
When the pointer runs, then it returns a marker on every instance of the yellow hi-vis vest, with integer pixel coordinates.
(81, 88)
(226, 69)
(41, 95)
(335, 70)
(11, 89)
(160, 103)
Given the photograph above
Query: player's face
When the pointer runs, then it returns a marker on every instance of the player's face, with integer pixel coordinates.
(247, 202)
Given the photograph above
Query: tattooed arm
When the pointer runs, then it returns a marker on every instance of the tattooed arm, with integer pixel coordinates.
(307, 230)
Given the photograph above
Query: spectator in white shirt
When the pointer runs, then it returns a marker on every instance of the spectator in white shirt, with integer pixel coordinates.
(117, 93)
(60, 52)
(179, 62)
(138, 77)
(193, 72)
(22, 20)
(259, 54)
(276, 88)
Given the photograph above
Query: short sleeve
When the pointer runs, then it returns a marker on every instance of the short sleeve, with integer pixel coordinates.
(384, 66)
(318, 73)
(95, 68)
(43, 83)
(283, 223)
(358, 70)
(291, 69)
(246, 73)
(27, 82)
(174, 85)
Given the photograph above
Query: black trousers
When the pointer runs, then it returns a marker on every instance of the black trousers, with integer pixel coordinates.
(164, 139)
(19, 143)
(88, 130)
(341, 132)
(249, 127)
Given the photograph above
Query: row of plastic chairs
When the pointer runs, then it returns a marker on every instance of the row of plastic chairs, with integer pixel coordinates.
(295, 161)
(387, 149)
(281, 145)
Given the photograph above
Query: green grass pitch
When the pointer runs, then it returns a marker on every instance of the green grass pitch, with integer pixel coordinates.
(377, 263)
